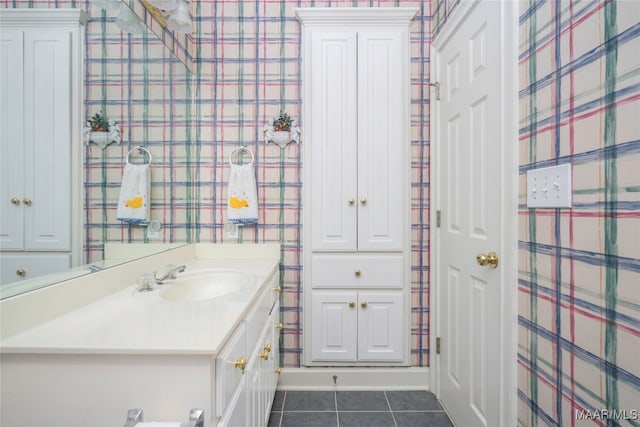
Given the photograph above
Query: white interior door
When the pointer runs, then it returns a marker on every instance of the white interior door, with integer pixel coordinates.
(469, 65)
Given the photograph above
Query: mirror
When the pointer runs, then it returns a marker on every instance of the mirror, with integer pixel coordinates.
(139, 83)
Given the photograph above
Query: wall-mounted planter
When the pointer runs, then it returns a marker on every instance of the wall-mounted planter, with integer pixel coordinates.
(102, 138)
(282, 138)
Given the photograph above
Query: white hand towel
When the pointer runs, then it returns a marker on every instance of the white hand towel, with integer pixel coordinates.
(134, 203)
(242, 203)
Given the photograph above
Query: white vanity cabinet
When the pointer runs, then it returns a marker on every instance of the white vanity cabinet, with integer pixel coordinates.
(246, 369)
(356, 171)
(40, 111)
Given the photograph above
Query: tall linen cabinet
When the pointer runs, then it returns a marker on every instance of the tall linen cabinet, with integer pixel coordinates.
(356, 162)
(41, 81)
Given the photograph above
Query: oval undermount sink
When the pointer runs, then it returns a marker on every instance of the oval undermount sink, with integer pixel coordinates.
(203, 284)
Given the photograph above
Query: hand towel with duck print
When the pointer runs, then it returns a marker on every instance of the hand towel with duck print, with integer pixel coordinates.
(242, 204)
(134, 203)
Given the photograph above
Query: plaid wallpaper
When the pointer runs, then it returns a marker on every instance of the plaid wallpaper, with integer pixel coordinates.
(579, 268)
(245, 58)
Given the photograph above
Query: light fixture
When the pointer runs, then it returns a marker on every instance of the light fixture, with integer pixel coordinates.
(107, 4)
(180, 19)
(167, 5)
(128, 21)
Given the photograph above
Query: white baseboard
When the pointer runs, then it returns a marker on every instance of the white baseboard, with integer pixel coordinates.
(354, 378)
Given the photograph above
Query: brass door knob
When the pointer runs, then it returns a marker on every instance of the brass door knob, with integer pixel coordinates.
(241, 363)
(267, 347)
(21, 272)
(352, 304)
(490, 259)
(363, 304)
(27, 202)
(280, 326)
(363, 201)
(264, 355)
(358, 273)
(352, 201)
(15, 201)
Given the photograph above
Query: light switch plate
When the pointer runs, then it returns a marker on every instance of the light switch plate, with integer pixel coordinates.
(549, 187)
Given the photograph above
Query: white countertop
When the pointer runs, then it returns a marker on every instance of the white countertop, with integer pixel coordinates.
(129, 322)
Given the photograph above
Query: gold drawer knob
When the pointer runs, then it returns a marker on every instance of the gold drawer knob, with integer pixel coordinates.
(278, 370)
(277, 289)
(21, 272)
(264, 355)
(267, 347)
(27, 202)
(15, 201)
(352, 304)
(280, 326)
(358, 273)
(241, 363)
(363, 304)
(363, 201)
(352, 201)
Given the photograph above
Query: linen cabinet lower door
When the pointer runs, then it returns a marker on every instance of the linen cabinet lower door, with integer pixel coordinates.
(380, 326)
(335, 326)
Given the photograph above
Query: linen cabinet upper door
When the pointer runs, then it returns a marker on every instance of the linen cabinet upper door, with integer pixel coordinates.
(382, 140)
(334, 165)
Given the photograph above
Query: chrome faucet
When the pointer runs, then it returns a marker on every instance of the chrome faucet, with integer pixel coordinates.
(170, 273)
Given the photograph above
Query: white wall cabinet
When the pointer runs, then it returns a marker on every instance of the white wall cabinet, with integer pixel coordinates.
(356, 180)
(40, 112)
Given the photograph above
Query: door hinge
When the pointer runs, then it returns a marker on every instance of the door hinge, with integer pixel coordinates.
(437, 345)
(438, 216)
(436, 85)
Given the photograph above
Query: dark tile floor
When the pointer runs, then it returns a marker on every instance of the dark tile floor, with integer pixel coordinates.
(357, 408)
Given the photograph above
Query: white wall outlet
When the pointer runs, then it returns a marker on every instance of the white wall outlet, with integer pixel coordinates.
(549, 187)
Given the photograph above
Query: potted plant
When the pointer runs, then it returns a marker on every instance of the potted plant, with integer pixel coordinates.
(101, 130)
(282, 130)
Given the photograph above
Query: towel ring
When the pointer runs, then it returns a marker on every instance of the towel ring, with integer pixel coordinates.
(238, 151)
(141, 149)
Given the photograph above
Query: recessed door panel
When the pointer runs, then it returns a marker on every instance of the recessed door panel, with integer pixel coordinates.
(334, 326)
(334, 167)
(380, 326)
(380, 141)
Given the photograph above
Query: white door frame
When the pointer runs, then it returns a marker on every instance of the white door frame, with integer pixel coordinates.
(509, 177)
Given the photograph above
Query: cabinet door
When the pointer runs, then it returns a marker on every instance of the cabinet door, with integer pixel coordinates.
(334, 326)
(34, 265)
(382, 140)
(11, 137)
(236, 415)
(334, 168)
(47, 139)
(380, 326)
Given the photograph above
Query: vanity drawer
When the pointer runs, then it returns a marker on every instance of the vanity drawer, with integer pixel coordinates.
(373, 271)
(228, 376)
(258, 316)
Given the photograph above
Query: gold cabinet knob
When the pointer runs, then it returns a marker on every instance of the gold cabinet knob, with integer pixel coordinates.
(490, 259)
(27, 202)
(264, 355)
(267, 347)
(352, 201)
(277, 370)
(15, 201)
(21, 272)
(280, 326)
(352, 304)
(277, 289)
(241, 363)
(358, 273)
(363, 304)
(363, 201)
